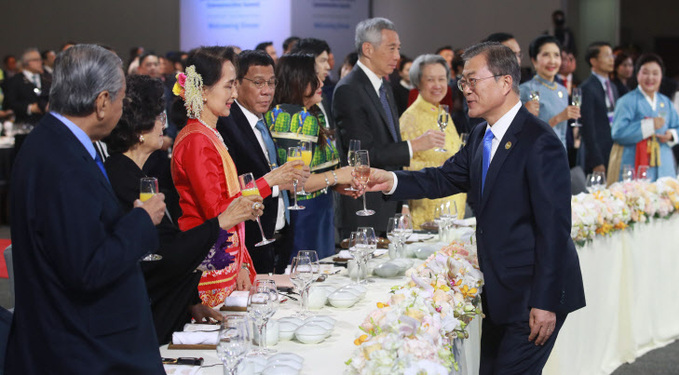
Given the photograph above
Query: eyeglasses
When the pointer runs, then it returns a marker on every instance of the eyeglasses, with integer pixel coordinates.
(471, 82)
(259, 83)
(163, 119)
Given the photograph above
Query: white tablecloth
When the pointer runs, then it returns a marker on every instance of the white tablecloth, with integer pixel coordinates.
(331, 354)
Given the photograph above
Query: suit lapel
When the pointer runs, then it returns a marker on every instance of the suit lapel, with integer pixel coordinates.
(370, 91)
(249, 133)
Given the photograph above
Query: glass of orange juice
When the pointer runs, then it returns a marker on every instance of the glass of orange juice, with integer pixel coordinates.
(307, 154)
(148, 187)
(248, 187)
(295, 153)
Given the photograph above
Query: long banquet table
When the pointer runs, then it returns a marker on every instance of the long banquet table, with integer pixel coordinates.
(632, 288)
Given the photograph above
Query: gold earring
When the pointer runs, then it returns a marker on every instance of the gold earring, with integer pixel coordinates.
(141, 139)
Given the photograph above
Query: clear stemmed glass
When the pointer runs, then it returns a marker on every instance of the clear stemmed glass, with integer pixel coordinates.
(301, 274)
(315, 270)
(406, 224)
(233, 343)
(294, 153)
(600, 178)
(306, 149)
(368, 249)
(148, 187)
(248, 186)
(576, 100)
(442, 119)
(394, 233)
(356, 239)
(464, 138)
(262, 304)
(354, 145)
(534, 96)
(627, 173)
(362, 173)
(642, 173)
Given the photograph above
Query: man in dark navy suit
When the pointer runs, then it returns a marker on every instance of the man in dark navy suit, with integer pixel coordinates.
(515, 172)
(27, 93)
(81, 301)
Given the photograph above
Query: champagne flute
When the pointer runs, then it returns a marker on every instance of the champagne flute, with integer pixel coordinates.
(233, 343)
(148, 187)
(301, 272)
(306, 148)
(262, 304)
(355, 241)
(315, 269)
(354, 145)
(442, 119)
(248, 187)
(362, 173)
(394, 233)
(576, 100)
(294, 153)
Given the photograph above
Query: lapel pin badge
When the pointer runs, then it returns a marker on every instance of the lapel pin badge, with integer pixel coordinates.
(662, 105)
(508, 145)
(560, 94)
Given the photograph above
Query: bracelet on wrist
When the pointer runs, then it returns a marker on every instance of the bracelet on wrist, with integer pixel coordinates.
(334, 175)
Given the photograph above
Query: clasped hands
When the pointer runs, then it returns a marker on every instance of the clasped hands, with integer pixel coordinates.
(380, 180)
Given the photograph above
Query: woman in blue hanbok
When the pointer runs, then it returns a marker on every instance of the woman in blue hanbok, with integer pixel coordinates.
(644, 125)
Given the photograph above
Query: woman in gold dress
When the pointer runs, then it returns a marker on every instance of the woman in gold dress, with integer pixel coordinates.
(430, 74)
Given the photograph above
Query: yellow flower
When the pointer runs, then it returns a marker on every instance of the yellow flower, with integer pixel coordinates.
(381, 305)
(360, 340)
(468, 293)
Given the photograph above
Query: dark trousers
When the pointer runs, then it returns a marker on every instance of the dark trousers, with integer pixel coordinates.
(505, 348)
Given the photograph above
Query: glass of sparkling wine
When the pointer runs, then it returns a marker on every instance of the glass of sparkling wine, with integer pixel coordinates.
(576, 100)
(442, 119)
(354, 145)
(295, 153)
(248, 187)
(362, 174)
(148, 187)
(307, 155)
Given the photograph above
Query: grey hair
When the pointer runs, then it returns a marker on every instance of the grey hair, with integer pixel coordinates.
(422, 61)
(370, 31)
(26, 52)
(81, 73)
(500, 60)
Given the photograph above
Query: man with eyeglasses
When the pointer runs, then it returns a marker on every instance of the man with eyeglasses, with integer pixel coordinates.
(252, 149)
(515, 172)
(27, 93)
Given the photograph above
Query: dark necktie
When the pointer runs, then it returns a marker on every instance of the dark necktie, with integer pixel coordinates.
(487, 147)
(609, 93)
(273, 160)
(100, 164)
(387, 110)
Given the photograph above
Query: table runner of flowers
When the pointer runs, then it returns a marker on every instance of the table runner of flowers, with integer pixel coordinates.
(414, 331)
(621, 205)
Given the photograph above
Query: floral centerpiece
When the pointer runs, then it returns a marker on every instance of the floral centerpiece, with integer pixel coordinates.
(414, 331)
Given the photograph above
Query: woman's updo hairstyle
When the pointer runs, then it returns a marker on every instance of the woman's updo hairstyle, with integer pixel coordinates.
(144, 102)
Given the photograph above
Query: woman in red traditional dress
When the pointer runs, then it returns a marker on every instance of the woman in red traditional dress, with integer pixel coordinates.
(205, 175)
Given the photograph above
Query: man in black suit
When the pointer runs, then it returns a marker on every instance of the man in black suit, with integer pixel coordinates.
(27, 93)
(80, 294)
(252, 149)
(515, 172)
(364, 109)
(598, 103)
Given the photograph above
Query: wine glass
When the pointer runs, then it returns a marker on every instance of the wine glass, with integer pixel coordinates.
(262, 304)
(233, 343)
(394, 233)
(642, 173)
(464, 138)
(576, 100)
(301, 273)
(534, 96)
(369, 247)
(442, 119)
(248, 187)
(362, 173)
(627, 173)
(306, 148)
(148, 187)
(354, 145)
(600, 178)
(295, 153)
(406, 224)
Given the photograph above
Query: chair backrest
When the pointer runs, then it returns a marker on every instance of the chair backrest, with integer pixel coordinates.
(578, 181)
(10, 272)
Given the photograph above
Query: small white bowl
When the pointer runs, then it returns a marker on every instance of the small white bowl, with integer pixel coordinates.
(310, 338)
(279, 370)
(342, 303)
(286, 330)
(286, 362)
(387, 269)
(321, 318)
(292, 320)
(288, 357)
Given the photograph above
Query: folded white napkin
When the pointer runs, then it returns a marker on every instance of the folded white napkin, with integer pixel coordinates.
(237, 299)
(195, 338)
(181, 369)
(345, 254)
(188, 327)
